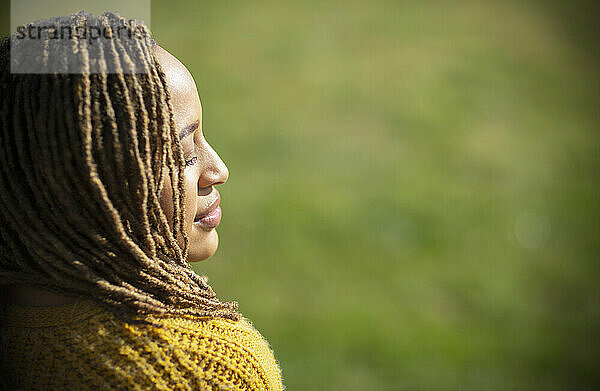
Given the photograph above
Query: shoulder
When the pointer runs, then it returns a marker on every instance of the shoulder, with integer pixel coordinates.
(228, 352)
(88, 345)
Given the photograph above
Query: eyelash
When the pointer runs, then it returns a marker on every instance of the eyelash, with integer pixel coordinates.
(192, 161)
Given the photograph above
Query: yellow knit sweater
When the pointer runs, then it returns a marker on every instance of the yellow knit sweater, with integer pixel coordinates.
(84, 347)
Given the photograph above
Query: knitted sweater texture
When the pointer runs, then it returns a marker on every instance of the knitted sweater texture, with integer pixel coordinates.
(82, 346)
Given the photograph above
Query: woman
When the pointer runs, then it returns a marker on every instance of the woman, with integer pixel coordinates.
(107, 190)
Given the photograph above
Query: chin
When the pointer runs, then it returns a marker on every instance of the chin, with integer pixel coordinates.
(203, 248)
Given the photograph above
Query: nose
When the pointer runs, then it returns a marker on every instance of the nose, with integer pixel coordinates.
(215, 172)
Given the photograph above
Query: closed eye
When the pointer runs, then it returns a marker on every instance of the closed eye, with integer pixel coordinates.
(192, 161)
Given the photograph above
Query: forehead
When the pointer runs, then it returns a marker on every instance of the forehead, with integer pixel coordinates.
(182, 88)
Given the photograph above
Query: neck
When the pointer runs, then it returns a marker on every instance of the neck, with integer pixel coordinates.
(27, 295)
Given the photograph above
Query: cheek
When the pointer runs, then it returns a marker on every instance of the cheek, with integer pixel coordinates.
(190, 196)
(190, 186)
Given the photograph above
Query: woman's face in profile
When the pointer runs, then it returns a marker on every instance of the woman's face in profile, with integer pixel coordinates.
(204, 169)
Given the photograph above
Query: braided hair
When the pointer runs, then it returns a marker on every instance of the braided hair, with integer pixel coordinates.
(82, 156)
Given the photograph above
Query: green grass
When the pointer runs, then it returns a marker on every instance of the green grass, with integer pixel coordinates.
(414, 193)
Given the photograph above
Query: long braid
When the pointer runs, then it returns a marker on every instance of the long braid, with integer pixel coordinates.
(82, 157)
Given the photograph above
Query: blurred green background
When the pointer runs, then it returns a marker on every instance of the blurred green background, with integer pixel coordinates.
(414, 193)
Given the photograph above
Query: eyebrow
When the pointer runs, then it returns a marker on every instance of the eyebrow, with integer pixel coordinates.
(188, 130)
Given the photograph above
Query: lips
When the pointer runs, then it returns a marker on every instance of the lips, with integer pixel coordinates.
(210, 217)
